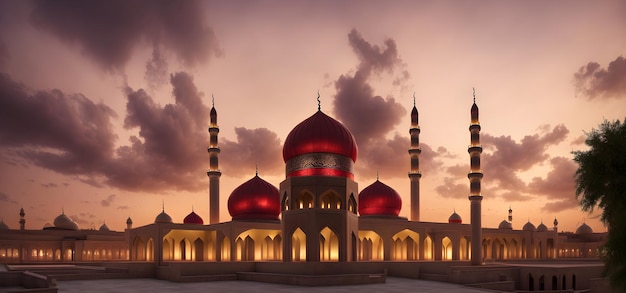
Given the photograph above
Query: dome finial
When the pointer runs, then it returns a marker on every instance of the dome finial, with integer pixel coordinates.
(63, 211)
(256, 167)
(413, 99)
(162, 205)
(376, 174)
(474, 94)
(319, 103)
(192, 208)
(212, 101)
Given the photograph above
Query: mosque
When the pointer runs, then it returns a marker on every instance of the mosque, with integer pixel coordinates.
(316, 214)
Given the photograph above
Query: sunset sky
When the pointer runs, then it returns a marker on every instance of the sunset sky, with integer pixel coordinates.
(104, 104)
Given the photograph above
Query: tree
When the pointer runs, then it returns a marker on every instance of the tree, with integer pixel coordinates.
(601, 182)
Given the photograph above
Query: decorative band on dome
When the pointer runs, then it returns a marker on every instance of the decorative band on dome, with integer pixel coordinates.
(319, 164)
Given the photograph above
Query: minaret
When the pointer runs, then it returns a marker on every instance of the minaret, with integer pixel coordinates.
(214, 171)
(415, 174)
(556, 225)
(129, 223)
(22, 219)
(510, 215)
(475, 176)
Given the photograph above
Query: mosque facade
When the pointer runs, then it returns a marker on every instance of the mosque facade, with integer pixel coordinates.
(316, 214)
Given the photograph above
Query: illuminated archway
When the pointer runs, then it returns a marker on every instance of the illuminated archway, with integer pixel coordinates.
(298, 245)
(446, 248)
(464, 249)
(304, 200)
(225, 253)
(198, 249)
(372, 246)
(428, 248)
(405, 245)
(167, 250)
(329, 245)
(330, 200)
(139, 249)
(150, 250)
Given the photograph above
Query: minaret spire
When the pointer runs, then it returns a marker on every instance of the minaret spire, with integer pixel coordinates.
(475, 176)
(414, 154)
(214, 172)
(319, 103)
(22, 219)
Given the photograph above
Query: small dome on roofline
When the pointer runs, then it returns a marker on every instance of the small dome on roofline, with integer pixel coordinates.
(584, 229)
(455, 218)
(529, 227)
(505, 225)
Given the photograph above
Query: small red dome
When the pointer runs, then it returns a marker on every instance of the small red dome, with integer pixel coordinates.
(320, 134)
(455, 218)
(193, 218)
(255, 199)
(379, 199)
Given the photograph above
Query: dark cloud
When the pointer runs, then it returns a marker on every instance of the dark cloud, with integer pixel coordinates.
(156, 69)
(505, 157)
(593, 81)
(6, 198)
(109, 31)
(579, 140)
(171, 153)
(452, 189)
(50, 185)
(368, 116)
(559, 185)
(514, 196)
(253, 147)
(72, 135)
(66, 133)
(108, 201)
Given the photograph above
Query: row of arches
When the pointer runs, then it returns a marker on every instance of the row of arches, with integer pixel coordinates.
(9, 255)
(408, 245)
(328, 200)
(501, 248)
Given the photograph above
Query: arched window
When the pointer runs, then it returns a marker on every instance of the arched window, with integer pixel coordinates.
(298, 245)
(304, 200)
(330, 200)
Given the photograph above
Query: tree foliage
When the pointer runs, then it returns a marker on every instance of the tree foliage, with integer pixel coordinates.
(601, 183)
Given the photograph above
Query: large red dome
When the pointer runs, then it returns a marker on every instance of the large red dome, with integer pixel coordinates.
(320, 134)
(379, 199)
(256, 199)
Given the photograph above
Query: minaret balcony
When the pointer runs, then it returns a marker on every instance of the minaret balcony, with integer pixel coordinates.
(213, 149)
(474, 126)
(212, 173)
(472, 149)
(475, 175)
(415, 151)
(414, 174)
(214, 129)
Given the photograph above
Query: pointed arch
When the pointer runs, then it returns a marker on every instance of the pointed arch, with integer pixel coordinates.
(304, 200)
(372, 246)
(406, 245)
(463, 249)
(278, 247)
(428, 248)
(225, 253)
(329, 245)
(330, 200)
(239, 249)
(198, 249)
(446, 248)
(150, 250)
(298, 245)
(167, 250)
(267, 248)
(139, 249)
(352, 205)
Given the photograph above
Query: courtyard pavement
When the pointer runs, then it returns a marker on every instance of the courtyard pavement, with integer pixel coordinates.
(154, 285)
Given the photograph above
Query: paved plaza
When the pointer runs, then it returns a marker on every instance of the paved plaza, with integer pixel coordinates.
(154, 285)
